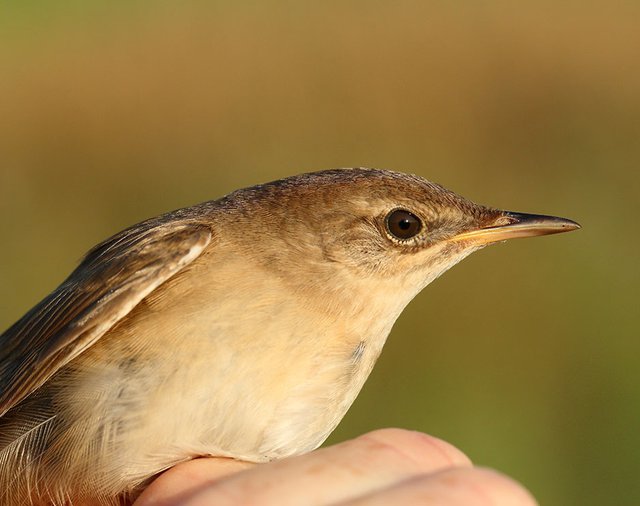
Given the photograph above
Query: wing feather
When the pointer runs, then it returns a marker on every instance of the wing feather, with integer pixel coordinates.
(111, 280)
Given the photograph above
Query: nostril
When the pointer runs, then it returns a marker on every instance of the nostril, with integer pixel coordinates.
(504, 220)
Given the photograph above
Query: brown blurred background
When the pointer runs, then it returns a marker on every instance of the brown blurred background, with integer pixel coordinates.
(525, 355)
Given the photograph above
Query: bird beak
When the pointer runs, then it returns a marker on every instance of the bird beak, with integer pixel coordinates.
(513, 225)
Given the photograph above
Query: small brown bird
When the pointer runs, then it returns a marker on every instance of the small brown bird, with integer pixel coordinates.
(242, 327)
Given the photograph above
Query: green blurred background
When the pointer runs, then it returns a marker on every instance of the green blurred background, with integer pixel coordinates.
(526, 354)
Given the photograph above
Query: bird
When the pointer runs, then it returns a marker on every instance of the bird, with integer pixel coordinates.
(241, 327)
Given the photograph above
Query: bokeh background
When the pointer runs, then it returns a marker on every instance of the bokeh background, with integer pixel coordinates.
(525, 355)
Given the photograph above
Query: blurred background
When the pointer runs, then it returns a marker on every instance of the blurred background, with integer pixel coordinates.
(526, 354)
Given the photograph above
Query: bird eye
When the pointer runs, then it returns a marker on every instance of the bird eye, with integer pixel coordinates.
(402, 224)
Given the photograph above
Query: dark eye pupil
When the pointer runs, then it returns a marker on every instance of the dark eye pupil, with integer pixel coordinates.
(402, 224)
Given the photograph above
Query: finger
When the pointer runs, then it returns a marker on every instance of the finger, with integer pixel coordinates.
(451, 487)
(174, 485)
(350, 469)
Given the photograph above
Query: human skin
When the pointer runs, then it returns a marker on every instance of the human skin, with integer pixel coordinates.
(388, 466)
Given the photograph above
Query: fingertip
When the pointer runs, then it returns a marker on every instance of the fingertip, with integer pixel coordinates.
(502, 489)
(423, 449)
(455, 486)
(468, 486)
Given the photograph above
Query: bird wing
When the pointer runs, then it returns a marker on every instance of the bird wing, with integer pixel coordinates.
(111, 280)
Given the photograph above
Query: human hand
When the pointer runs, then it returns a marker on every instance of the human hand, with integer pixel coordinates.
(388, 466)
